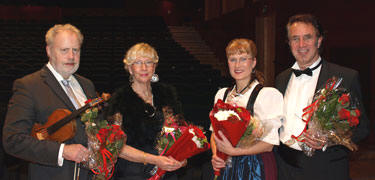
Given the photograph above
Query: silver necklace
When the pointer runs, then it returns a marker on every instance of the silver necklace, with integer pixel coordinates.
(240, 93)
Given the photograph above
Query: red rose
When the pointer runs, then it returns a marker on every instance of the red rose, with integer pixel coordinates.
(357, 112)
(220, 104)
(88, 101)
(103, 132)
(233, 119)
(344, 99)
(353, 121)
(243, 113)
(115, 127)
(111, 138)
(198, 132)
(117, 130)
(344, 114)
(182, 128)
(120, 135)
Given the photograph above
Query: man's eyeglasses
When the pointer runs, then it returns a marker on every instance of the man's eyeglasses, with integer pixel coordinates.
(140, 63)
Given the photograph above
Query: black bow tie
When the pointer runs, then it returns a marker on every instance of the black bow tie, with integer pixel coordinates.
(307, 71)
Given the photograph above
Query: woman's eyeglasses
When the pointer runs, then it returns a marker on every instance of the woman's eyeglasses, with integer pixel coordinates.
(140, 63)
(240, 59)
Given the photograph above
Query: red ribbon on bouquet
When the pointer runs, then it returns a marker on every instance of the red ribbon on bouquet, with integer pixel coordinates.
(105, 154)
(107, 135)
(166, 146)
(309, 110)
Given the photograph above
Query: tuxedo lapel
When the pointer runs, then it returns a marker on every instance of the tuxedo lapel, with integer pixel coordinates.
(285, 80)
(55, 86)
(323, 76)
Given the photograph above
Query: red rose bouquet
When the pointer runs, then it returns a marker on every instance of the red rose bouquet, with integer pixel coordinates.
(105, 141)
(330, 117)
(236, 124)
(179, 140)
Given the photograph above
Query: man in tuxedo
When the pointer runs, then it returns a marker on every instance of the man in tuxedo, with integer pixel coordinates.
(298, 84)
(36, 96)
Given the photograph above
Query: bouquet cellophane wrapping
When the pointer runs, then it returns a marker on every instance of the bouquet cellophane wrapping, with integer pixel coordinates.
(179, 140)
(105, 140)
(185, 147)
(331, 117)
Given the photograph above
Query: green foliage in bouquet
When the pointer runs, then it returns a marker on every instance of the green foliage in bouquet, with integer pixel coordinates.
(248, 132)
(203, 141)
(93, 124)
(334, 111)
(167, 140)
(326, 113)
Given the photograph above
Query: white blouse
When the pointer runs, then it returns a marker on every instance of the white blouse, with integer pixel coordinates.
(268, 108)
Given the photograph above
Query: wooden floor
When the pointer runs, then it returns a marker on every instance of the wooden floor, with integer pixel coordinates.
(362, 162)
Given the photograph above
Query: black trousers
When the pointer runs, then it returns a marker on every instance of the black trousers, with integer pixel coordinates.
(329, 165)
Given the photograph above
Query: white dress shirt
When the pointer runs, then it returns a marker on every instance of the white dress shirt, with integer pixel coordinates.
(298, 95)
(78, 92)
(268, 108)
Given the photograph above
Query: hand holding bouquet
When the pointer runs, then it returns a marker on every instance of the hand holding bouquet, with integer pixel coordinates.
(179, 140)
(330, 118)
(105, 140)
(236, 124)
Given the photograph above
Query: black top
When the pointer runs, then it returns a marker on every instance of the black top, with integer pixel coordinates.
(142, 124)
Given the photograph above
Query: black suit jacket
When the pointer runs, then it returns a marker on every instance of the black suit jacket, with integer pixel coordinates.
(334, 161)
(35, 97)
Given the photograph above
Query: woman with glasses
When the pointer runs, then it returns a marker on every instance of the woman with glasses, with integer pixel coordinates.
(254, 162)
(140, 102)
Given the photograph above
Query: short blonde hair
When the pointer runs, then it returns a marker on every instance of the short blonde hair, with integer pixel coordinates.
(52, 32)
(140, 50)
(240, 46)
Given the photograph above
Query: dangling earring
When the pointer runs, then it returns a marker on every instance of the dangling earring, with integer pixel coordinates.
(154, 78)
(131, 79)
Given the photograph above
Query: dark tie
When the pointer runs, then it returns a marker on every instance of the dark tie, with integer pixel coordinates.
(307, 71)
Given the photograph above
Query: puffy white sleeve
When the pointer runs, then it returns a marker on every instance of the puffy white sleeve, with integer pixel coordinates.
(220, 94)
(268, 108)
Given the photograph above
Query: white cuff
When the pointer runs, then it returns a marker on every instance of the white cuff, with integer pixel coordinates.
(60, 159)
